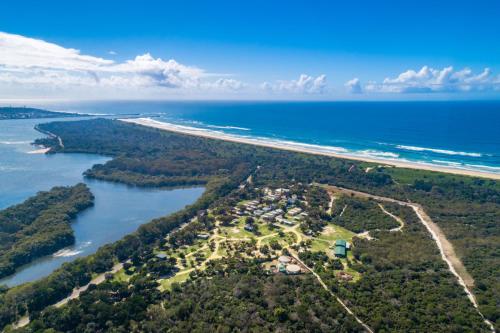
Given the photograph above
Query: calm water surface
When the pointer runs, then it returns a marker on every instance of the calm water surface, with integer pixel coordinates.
(118, 209)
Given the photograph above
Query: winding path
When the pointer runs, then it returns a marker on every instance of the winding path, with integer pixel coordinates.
(323, 284)
(397, 218)
(23, 321)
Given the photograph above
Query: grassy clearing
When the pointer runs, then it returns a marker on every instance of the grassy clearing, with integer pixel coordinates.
(121, 276)
(180, 277)
(327, 238)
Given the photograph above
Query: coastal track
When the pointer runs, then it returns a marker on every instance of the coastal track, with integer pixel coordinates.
(448, 254)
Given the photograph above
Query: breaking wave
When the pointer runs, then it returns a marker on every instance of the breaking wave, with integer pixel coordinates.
(229, 127)
(439, 151)
(377, 153)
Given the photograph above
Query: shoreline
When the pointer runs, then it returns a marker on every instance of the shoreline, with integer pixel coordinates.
(39, 151)
(303, 148)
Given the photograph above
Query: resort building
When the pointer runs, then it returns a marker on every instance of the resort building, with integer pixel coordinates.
(340, 242)
(284, 260)
(294, 211)
(284, 221)
(258, 212)
(249, 227)
(161, 256)
(293, 269)
(340, 250)
(203, 236)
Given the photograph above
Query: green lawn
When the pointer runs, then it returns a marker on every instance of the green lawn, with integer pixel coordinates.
(121, 276)
(327, 238)
(179, 278)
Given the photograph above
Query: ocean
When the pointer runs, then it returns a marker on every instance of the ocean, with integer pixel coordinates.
(457, 134)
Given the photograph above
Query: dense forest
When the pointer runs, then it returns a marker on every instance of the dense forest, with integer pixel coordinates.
(230, 296)
(31, 113)
(40, 225)
(414, 291)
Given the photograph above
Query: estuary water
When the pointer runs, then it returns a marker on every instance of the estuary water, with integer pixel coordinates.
(118, 209)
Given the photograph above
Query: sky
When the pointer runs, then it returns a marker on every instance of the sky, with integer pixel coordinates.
(304, 50)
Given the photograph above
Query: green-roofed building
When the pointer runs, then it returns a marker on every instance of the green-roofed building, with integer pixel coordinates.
(340, 242)
(340, 251)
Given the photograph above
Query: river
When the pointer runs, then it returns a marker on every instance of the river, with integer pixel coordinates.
(118, 209)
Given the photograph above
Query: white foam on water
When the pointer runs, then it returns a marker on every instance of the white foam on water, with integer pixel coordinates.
(439, 151)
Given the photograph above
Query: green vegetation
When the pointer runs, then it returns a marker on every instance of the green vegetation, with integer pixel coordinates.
(402, 274)
(361, 215)
(31, 113)
(401, 283)
(230, 296)
(40, 225)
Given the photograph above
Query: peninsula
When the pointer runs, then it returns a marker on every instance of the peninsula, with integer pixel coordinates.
(308, 148)
(32, 113)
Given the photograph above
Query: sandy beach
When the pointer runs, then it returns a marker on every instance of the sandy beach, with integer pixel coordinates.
(305, 148)
(39, 151)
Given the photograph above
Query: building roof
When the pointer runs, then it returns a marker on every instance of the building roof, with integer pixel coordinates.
(161, 256)
(340, 251)
(284, 259)
(292, 269)
(340, 242)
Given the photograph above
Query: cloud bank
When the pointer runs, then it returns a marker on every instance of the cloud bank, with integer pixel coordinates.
(446, 80)
(305, 84)
(35, 68)
(30, 66)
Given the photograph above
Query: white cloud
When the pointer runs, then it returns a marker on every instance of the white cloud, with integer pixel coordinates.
(227, 84)
(306, 84)
(428, 80)
(31, 64)
(354, 86)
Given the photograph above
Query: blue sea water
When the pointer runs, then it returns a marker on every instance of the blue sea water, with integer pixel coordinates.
(459, 134)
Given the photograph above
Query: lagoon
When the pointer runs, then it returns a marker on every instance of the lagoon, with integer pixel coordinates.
(119, 209)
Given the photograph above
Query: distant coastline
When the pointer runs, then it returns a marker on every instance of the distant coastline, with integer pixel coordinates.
(306, 148)
(7, 113)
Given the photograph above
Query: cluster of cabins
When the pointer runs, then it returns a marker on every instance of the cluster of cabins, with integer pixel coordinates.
(267, 207)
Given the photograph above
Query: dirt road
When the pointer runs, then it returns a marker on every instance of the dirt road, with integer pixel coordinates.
(446, 249)
(365, 326)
